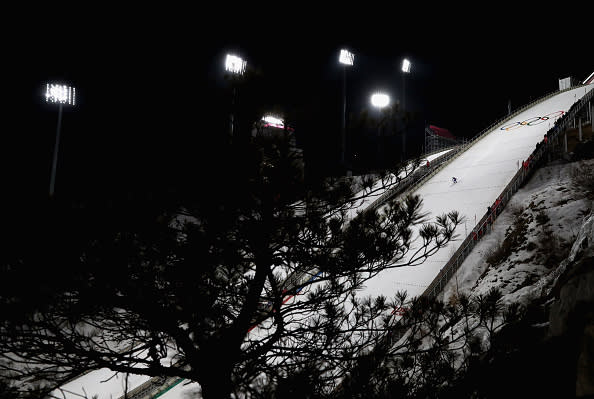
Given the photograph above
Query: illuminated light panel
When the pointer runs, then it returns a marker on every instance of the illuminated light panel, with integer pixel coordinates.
(273, 121)
(235, 64)
(346, 57)
(380, 100)
(406, 65)
(61, 94)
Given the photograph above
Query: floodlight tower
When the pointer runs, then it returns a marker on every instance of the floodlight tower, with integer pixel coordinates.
(61, 95)
(236, 66)
(346, 58)
(406, 66)
(380, 100)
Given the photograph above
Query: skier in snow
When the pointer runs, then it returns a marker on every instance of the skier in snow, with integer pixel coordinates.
(454, 180)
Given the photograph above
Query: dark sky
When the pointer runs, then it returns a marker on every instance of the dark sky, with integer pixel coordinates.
(147, 82)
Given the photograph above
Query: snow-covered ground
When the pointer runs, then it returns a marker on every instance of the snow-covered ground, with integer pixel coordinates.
(105, 383)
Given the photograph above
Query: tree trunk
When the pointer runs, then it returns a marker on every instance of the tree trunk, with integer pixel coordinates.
(216, 383)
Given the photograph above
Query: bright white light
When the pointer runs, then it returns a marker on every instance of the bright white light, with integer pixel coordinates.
(406, 65)
(235, 64)
(273, 121)
(346, 57)
(380, 100)
(61, 94)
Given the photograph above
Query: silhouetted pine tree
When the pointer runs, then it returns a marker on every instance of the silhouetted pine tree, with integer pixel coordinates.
(243, 279)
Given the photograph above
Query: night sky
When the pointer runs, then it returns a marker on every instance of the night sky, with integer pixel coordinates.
(151, 91)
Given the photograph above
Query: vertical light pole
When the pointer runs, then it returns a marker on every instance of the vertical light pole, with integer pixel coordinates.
(61, 95)
(236, 66)
(380, 100)
(406, 65)
(346, 58)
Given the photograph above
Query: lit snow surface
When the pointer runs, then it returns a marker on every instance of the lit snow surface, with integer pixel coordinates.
(103, 382)
(183, 390)
(483, 171)
(389, 181)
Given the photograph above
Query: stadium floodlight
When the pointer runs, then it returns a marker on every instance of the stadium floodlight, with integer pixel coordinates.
(346, 57)
(61, 95)
(406, 66)
(273, 121)
(380, 100)
(235, 64)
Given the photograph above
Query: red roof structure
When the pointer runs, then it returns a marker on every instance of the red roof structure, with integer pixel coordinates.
(442, 132)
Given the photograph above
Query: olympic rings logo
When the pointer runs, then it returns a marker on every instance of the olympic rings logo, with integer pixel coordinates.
(537, 120)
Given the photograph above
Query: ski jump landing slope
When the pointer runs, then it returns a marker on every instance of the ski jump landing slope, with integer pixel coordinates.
(483, 171)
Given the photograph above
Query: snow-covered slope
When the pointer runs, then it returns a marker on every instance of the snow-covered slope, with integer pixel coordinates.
(541, 223)
(104, 383)
(482, 171)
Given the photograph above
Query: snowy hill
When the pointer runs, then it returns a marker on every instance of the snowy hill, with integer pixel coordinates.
(530, 239)
(540, 255)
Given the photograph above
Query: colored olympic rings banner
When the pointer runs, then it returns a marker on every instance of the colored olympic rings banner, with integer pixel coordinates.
(537, 120)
